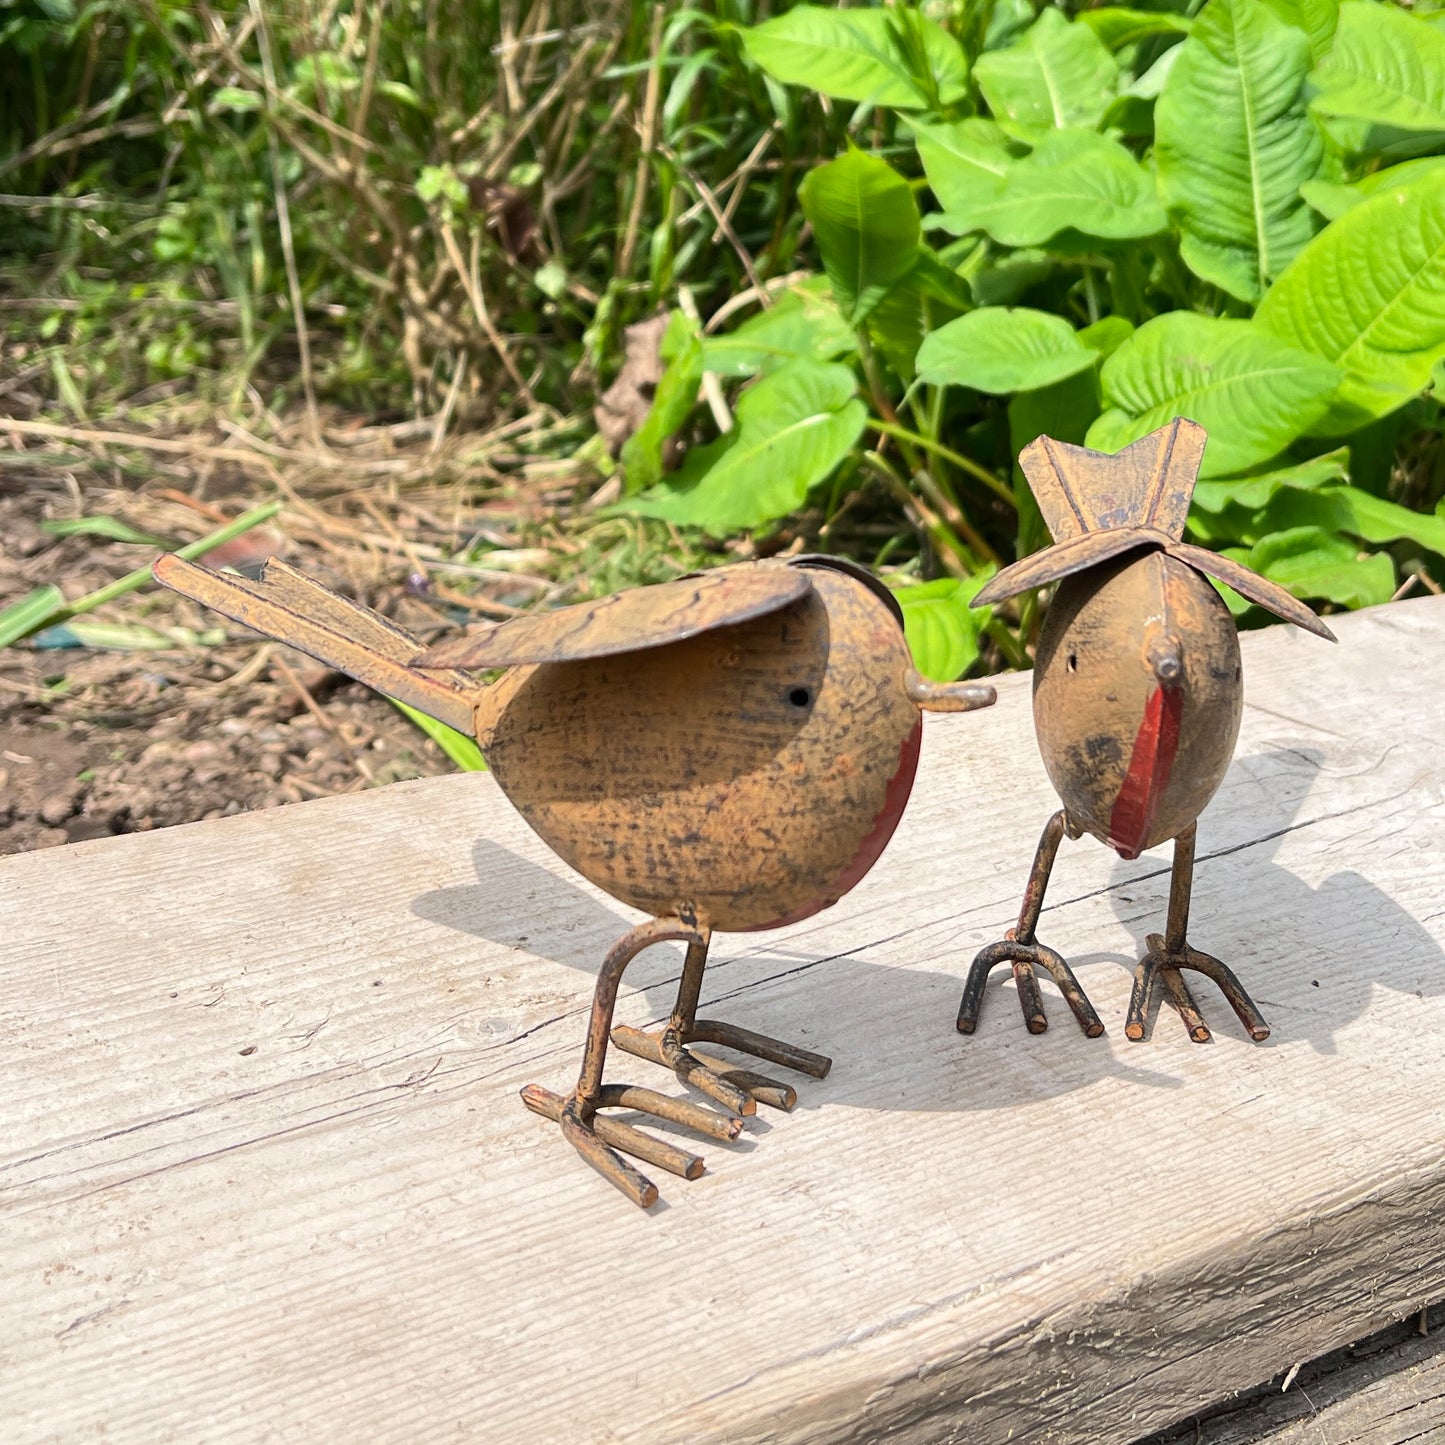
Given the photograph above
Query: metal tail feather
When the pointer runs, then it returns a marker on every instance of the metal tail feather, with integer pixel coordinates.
(303, 614)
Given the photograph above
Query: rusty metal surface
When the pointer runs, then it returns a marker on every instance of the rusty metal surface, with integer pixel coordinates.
(1169, 954)
(750, 775)
(1094, 683)
(1148, 484)
(1063, 559)
(640, 618)
(729, 752)
(1024, 953)
(1252, 586)
(284, 604)
(1137, 699)
(1099, 505)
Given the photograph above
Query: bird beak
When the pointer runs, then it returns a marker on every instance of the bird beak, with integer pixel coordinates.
(1166, 659)
(947, 696)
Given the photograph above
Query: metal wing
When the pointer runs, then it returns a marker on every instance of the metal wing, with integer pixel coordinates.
(1252, 586)
(630, 621)
(1148, 484)
(1063, 559)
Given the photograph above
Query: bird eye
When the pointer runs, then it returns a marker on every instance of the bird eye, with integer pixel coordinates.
(800, 697)
(1073, 662)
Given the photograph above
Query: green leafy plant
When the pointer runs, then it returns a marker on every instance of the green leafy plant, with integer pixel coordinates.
(1087, 226)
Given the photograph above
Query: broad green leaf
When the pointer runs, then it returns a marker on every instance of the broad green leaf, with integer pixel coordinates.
(926, 298)
(865, 221)
(672, 404)
(1356, 512)
(794, 426)
(1332, 200)
(1253, 393)
(1234, 143)
(1317, 18)
(1255, 491)
(939, 281)
(1312, 563)
(942, 629)
(1150, 85)
(1132, 112)
(1006, 277)
(1056, 75)
(1377, 519)
(1075, 181)
(1007, 20)
(854, 55)
(1385, 67)
(804, 323)
(1107, 335)
(30, 613)
(110, 527)
(1003, 349)
(965, 161)
(1369, 294)
(1118, 25)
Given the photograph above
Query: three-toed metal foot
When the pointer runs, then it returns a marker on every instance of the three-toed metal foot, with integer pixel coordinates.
(602, 1140)
(1169, 953)
(1025, 958)
(1163, 965)
(1026, 954)
(739, 1091)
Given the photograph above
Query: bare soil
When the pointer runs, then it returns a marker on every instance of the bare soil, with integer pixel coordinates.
(94, 743)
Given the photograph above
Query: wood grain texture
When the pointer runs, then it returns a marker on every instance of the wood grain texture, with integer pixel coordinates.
(1388, 1390)
(264, 1174)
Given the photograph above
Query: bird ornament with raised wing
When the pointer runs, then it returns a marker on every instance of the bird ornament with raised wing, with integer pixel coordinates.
(1137, 700)
(726, 752)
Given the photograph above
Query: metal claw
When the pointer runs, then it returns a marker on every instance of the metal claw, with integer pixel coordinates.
(1020, 949)
(1169, 953)
(1024, 959)
(758, 1087)
(717, 1078)
(1164, 965)
(660, 1049)
(760, 1046)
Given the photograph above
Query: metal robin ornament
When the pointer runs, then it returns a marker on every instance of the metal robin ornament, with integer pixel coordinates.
(1137, 700)
(726, 752)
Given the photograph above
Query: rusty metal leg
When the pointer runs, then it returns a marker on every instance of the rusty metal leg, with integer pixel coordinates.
(1025, 954)
(739, 1090)
(1166, 956)
(597, 1139)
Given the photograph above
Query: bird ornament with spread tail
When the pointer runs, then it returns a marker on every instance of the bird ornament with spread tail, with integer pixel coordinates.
(728, 752)
(1137, 700)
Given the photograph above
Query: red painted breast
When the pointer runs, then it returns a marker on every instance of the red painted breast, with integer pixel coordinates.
(1150, 764)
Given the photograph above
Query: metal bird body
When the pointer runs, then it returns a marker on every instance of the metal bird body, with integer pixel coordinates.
(749, 775)
(726, 752)
(1133, 755)
(1138, 694)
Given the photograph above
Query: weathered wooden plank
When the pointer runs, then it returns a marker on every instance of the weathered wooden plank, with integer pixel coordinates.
(264, 1174)
(1388, 1391)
